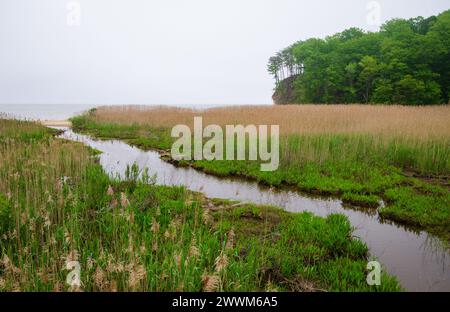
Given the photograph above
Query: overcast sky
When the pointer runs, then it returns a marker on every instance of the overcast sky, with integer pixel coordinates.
(165, 51)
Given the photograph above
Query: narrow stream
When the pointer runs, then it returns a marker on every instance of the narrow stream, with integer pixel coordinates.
(419, 260)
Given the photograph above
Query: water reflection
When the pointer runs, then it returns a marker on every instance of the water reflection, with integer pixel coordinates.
(419, 260)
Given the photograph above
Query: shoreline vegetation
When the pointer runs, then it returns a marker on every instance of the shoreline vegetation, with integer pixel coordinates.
(405, 62)
(360, 153)
(57, 205)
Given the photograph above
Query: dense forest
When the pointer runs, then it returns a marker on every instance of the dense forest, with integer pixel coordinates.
(406, 62)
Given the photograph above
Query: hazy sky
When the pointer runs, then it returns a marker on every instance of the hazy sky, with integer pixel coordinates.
(164, 51)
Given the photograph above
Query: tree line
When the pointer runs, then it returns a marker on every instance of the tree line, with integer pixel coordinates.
(406, 62)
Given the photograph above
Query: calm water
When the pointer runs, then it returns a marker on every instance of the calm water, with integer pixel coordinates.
(417, 259)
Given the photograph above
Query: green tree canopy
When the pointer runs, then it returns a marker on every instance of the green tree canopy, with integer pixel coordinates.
(406, 62)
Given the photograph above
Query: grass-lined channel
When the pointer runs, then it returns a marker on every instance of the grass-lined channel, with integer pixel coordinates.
(418, 259)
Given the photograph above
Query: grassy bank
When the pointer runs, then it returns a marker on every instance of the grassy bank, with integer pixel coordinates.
(382, 156)
(57, 206)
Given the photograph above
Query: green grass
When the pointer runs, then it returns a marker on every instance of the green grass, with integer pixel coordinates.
(369, 201)
(57, 205)
(361, 169)
(300, 251)
(423, 206)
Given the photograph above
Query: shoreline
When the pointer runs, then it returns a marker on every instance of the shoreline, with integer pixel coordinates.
(314, 192)
(56, 123)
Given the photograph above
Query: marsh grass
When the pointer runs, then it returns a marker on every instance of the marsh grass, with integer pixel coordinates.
(362, 153)
(390, 121)
(58, 206)
(411, 138)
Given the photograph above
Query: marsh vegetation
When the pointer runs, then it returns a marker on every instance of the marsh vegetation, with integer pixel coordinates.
(57, 205)
(360, 153)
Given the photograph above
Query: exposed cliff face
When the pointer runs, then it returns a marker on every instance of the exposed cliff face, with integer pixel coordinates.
(284, 94)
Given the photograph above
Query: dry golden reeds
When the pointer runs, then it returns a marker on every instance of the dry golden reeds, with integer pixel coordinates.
(418, 122)
(210, 282)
